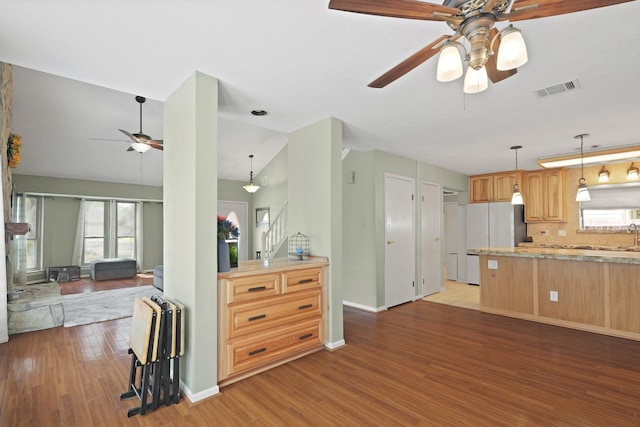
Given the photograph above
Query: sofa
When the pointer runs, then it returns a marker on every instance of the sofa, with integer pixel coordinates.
(158, 272)
(113, 268)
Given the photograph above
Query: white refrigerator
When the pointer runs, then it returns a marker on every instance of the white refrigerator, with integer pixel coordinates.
(492, 225)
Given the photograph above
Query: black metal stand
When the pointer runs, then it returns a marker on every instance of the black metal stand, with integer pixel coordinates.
(159, 377)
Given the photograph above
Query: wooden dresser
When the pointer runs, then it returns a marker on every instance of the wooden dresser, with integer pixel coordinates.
(269, 314)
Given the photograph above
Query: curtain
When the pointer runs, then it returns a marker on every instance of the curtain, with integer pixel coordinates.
(78, 246)
(139, 235)
(18, 248)
(112, 241)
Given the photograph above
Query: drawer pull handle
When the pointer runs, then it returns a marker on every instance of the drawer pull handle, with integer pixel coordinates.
(257, 288)
(258, 317)
(302, 307)
(305, 336)
(305, 281)
(258, 351)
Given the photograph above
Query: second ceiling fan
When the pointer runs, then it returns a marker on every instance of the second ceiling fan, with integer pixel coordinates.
(474, 21)
(141, 142)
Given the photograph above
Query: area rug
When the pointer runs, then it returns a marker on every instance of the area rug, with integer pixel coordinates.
(91, 307)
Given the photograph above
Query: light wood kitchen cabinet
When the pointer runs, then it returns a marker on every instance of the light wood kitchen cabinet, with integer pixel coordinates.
(494, 187)
(545, 196)
(268, 315)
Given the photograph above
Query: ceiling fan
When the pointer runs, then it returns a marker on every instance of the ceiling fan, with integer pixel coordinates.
(474, 21)
(141, 142)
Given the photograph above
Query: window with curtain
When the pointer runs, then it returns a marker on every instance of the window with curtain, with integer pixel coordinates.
(30, 210)
(110, 230)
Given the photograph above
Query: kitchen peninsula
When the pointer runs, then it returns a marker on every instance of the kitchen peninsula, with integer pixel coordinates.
(592, 290)
(269, 312)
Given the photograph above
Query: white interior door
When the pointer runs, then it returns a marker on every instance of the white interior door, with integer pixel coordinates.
(238, 210)
(399, 240)
(431, 241)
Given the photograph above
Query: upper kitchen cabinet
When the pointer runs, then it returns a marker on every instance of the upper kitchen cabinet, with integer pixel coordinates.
(544, 195)
(494, 187)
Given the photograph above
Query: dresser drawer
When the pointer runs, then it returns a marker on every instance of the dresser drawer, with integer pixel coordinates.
(250, 353)
(256, 316)
(252, 287)
(298, 280)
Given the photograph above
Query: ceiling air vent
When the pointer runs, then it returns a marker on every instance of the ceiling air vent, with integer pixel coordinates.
(557, 89)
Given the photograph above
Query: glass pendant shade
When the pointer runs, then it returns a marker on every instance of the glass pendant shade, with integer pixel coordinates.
(632, 172)
(449, 63)
(140, 148)
(516, 199)
(583, 192)
(603, 175)
(512, 52)
(475, 81)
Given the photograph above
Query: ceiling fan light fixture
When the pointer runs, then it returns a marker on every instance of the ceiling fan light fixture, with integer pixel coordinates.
(632, 172)
(140, 147)
(513, 51)
(603, 175)
(251, 187)
(449, 63)
(475, 81)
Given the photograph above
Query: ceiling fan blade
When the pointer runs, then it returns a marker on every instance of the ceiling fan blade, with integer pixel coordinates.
(157, 144)
(410, 9)
(108, 139)
(490, 4)
(491, 65)
(555, 7)
(127, 133)
(408, 64)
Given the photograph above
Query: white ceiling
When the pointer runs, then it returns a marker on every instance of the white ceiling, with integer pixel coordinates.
(302, 62)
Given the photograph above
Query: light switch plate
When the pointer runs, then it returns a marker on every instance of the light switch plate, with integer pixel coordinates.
(493, 264)
(553, 296)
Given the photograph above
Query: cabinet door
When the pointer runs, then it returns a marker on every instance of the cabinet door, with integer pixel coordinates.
(555, 200)
(533, 195)
(503, 186)
(481, 189)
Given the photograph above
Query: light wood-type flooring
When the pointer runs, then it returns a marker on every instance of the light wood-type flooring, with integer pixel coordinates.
(457, 294)
(420, 363)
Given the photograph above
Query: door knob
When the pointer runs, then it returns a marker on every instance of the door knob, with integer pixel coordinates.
(390, 242)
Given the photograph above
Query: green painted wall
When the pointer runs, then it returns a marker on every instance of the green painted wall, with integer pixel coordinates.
(364, 220)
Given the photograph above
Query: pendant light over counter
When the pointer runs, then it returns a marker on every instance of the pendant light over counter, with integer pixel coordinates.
(583, 190)
(516, 199)
(251, 187)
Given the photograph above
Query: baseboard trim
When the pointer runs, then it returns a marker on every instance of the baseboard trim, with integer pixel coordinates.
(363, 307)
(335, 345)
(201, 395)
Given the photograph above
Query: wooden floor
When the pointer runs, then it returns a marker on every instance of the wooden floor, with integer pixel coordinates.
(457, 294)
(88, 285)
(420, 363)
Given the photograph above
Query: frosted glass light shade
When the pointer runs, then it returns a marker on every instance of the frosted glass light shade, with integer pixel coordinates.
(475, 81)
(512, 52)
(251, 187)
(603, 175)
(516, 199)
(140, 148)
(632, 172)
(583, 193)
(449, 64)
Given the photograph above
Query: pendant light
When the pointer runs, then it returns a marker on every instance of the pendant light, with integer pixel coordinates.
(516, 199)
(583, 191)
(632, 172)
(603, 175)
(251, 187)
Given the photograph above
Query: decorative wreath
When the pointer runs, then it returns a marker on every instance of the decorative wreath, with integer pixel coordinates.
(14, 149)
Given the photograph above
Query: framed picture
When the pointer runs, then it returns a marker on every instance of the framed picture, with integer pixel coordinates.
(262, 217)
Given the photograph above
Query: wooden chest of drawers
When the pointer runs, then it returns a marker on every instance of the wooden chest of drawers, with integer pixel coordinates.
(268, 318)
